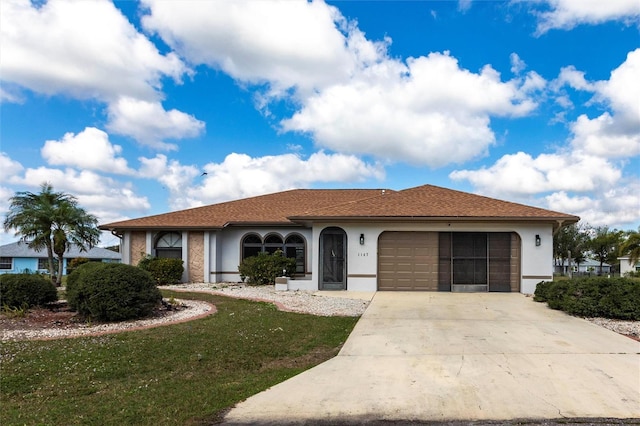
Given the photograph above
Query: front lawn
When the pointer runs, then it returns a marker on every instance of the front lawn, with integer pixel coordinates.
(180, 374)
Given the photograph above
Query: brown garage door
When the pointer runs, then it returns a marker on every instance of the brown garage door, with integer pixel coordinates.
(408, 261)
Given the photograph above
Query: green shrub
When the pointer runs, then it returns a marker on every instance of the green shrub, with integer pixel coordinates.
(112, 292)
(20, 290)
(75, 262)
(72, 290)
(542, 288)
(264, 268)
(163, 271)
(617, 298)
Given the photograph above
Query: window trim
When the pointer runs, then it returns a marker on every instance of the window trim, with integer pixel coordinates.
(173, 247)
(282, 245)
(3, 263)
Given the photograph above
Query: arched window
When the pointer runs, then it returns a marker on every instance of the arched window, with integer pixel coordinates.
(272, 243)
(169, 245)
(294, 248)
(251, 245)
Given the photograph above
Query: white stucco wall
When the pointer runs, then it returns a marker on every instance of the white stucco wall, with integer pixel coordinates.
(626, 267)
(223, 250)
(230, 250)
(362, 260)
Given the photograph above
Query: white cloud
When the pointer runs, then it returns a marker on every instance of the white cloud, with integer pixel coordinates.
(517, 64)
(573, 78)
(89, 50)
(351, 96)
(89, 149)
(615, 134)
(585, 165)
(284, 43)
(429, 111)
(464, 5)
(240, 175)
(622, 90)
(566, 14)
(517, 174)
(94, 192)
(173, 175)
(617, 207)
(85, 49)
(150, 124)
(8, 167)
(603, 136)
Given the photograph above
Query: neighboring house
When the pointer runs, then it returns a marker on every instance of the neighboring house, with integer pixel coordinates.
(423, 238)
(626, 266)
(587, 266)
(18, 257)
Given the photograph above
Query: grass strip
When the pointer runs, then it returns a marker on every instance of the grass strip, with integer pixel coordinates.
(186, 373)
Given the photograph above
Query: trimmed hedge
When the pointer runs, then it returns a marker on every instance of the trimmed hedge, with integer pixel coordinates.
(112, 292)
(617, 298)
(73, 286)
(26, 290)
(163, 271)
(264, 268)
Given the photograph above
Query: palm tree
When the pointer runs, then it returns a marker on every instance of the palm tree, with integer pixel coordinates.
(38, 218)
(631, 247)
(72, 225)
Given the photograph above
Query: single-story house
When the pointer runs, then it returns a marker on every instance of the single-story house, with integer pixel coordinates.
(18, 257)
(626, 266)
(423, 238)
(587, 266)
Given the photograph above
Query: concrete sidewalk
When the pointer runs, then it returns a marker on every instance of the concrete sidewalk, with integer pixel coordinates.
(452, 356)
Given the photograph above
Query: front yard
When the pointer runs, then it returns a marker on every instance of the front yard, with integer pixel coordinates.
(186, 373)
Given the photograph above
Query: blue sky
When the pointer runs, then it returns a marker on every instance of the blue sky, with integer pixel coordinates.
(139, 108)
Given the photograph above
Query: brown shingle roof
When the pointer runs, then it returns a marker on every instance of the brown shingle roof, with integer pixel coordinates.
(430, 201)
(300, 205)
(265, 209)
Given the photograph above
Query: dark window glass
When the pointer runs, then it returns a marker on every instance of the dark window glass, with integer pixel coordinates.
(251, 245)
(294, 248)
(6, 263)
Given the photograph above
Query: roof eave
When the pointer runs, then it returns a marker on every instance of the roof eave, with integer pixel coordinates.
(563, 219)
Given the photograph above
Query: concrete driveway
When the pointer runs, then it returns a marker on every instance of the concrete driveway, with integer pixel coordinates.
(452, 356)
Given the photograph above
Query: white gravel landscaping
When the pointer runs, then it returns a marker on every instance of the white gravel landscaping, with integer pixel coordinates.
(190, 309)
(310, 302)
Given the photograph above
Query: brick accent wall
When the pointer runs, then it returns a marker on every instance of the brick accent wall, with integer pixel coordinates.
(196, 257)
(138, 246)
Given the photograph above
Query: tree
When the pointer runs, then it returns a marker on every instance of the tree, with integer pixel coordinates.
(604, 245)
(571, 239)
(72, 225)
(631, 247)
(51, 220)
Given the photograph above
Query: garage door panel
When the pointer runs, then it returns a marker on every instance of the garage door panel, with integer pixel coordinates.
(408, 261)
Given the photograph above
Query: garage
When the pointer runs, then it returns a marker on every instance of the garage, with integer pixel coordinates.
(449, 261)
(408, 261)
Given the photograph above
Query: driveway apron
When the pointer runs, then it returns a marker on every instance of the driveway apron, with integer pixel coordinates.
(455, 356)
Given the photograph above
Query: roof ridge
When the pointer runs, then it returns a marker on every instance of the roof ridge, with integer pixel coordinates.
(383, 192)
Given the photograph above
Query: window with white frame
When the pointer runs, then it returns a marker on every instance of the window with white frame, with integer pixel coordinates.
(293, 246)
(169, 245)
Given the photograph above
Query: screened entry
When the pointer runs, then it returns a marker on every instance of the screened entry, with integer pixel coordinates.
(478, 261)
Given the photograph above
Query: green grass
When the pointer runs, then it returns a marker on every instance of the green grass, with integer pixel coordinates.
(180, 374)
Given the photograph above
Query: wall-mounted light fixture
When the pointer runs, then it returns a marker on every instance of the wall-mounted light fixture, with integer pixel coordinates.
(361, 239)
(538, 240)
